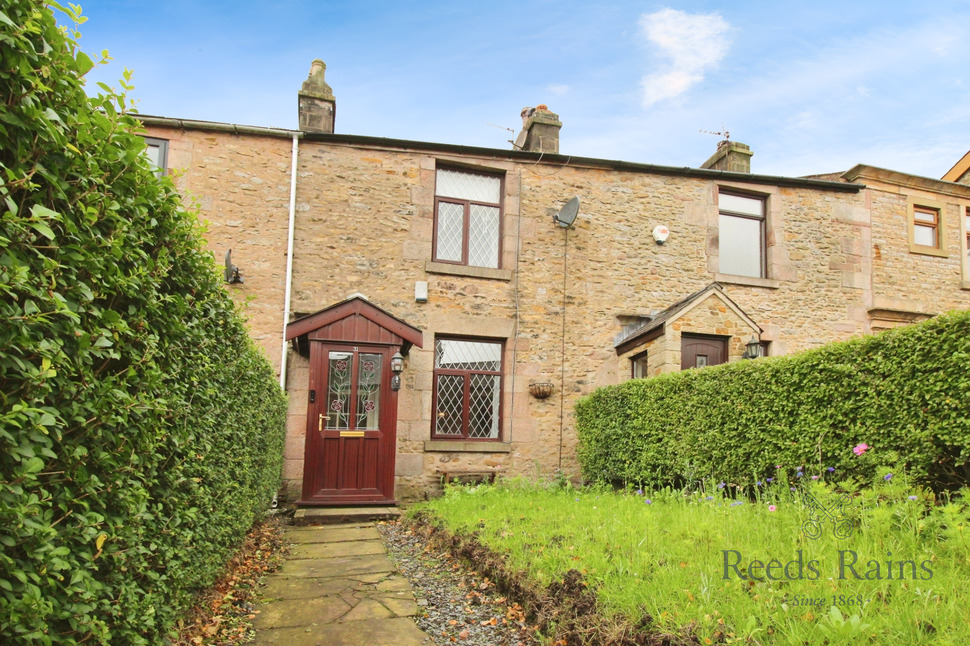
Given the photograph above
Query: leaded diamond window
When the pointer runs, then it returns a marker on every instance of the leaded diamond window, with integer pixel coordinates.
(468, 218)
(468, 389)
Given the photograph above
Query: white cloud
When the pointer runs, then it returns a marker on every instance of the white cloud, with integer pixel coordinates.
(558, 90)
(693, 43)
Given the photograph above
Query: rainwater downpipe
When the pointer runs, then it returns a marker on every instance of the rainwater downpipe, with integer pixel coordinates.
(289, 258)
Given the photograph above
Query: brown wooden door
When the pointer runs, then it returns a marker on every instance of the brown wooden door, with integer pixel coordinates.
(698, 351)
(351, 421)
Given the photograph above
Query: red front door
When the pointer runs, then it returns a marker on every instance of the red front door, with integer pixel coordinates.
(351, 422)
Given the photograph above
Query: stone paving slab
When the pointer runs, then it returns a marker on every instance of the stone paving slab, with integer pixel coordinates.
(337, 587)
(332, 534)
(309, 587)
(333, 550)
(337, 567)
(285, 587)
(375, 632)
(291, 613)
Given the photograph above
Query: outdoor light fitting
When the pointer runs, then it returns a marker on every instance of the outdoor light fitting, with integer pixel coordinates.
(397, 367)
(753, 349)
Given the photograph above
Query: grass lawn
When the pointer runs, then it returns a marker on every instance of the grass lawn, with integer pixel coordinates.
(891, 567)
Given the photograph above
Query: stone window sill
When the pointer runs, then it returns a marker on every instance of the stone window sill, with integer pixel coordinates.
(965, 285)
(455, 446)
(749, 281)
(927, 251)
(472, 272)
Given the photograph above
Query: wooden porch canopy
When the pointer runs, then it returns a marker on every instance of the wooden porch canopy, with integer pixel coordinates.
(353, 320)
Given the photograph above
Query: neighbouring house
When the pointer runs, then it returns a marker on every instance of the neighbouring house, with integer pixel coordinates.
(433, 311)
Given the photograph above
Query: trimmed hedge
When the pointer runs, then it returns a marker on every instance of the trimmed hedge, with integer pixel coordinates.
(141, 431)
(904, 392)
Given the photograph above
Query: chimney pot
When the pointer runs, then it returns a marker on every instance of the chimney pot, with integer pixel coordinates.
(540, 130)
(730, 156)
(317, 105)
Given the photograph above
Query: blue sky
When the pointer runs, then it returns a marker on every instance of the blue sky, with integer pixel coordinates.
(811, 87)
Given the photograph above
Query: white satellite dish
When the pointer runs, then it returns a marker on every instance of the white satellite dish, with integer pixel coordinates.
(567, 214)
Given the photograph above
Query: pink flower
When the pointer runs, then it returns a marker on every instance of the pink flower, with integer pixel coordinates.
(860, 448)
(814, 477)
(772, 508)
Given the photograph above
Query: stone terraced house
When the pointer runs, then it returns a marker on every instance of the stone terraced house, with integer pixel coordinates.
(432, 315)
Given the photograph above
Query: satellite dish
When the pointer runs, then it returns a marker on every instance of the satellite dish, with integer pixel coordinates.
(567, 214)
(232, 271)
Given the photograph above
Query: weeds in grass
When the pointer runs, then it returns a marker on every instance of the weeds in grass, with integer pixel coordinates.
(764, 564)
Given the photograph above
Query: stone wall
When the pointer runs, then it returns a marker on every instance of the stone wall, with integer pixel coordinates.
(909, 283)
(241, 186)
(364, 224)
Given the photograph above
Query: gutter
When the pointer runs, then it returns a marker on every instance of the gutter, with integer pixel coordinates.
(214, 126)
(495, 153)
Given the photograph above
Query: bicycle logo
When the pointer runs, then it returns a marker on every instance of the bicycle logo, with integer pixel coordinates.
(842, 525)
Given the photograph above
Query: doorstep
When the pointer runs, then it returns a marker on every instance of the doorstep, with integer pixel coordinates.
(343, 515)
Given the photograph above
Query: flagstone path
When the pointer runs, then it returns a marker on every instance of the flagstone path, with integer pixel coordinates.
(337, 588)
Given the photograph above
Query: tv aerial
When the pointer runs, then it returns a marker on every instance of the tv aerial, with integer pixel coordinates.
(567, 214)
(722, 133)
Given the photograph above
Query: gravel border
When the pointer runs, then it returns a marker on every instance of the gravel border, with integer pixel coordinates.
(457, 605)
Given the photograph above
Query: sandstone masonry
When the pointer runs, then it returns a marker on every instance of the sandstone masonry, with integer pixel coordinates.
(565, 303)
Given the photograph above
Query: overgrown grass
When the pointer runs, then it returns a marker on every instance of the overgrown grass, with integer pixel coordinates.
(685, 557)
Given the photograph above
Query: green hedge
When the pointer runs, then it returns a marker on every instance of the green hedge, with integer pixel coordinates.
(141, 431)
(904, 392)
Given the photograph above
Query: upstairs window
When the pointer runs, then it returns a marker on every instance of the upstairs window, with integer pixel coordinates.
(741, 235)
(467, 389)
(927, 233)
(468, 218)
(156, 150)
(926, 227)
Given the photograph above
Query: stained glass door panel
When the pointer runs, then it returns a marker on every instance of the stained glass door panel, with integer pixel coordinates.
(346, 443)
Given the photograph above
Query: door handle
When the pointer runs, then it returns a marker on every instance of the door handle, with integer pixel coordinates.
(320, 424)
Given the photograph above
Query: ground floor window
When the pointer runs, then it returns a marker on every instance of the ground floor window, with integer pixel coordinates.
(467, 388)
(638, 366)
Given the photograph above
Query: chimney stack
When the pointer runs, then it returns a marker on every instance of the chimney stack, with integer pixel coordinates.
(540, 130)
(316, 102)
(730, 156)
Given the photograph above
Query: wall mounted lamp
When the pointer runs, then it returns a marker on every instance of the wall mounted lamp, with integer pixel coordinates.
(753, 349)
(397, 367)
